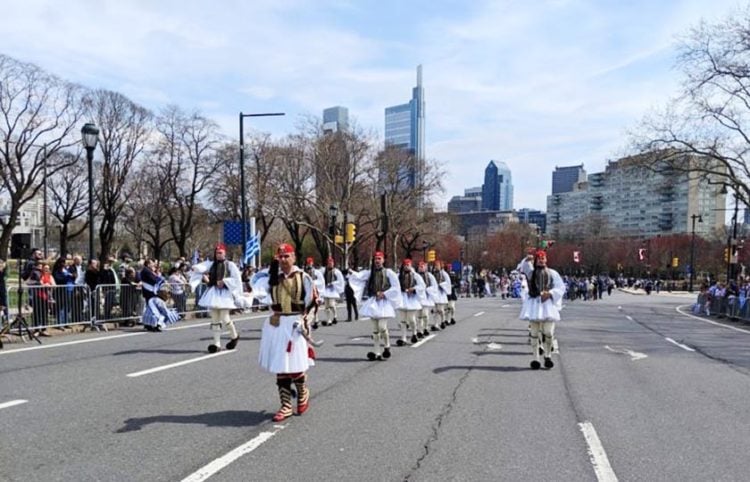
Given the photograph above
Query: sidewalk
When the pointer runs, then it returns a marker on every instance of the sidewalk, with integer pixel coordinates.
(677, 294)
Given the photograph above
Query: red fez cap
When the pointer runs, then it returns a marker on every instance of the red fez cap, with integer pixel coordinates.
(285, 248)
(531, 251)
(422, 263)
(540, 253)
(379, 254)
(407, 262)
(310, 260)
(330, 260)
(220, 247)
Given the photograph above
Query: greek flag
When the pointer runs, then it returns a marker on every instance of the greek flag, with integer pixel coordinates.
(252, 247)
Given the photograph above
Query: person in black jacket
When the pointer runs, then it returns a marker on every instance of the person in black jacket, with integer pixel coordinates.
(3, 293)
(108, 281)
(351, 301)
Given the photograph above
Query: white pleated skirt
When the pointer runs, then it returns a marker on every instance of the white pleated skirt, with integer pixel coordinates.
(220, 299)
(534, 310)
(283, 349)
(375, 308)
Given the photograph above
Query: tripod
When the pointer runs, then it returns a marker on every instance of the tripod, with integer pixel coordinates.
(19, 321)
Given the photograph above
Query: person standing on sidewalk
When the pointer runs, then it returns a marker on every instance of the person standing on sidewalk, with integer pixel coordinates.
(351, 300)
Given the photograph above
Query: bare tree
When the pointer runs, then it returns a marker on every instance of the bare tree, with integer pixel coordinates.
(186, 156)
(124, 128)
(225, 196)
(294, 187)
(145, 215)
(705, 129)
(68, 191)
(405, 194)
(39, 115)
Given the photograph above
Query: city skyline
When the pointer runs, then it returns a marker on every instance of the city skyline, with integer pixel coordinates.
(549, 83)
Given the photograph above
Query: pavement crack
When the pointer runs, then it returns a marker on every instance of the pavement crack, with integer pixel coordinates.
(438, 422)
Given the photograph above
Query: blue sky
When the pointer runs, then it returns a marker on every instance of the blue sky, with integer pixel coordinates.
(534, 83)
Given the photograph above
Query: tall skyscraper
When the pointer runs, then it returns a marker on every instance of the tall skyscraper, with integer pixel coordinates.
(497, 190)
(335, 119)
(404, 128)
(565, 178)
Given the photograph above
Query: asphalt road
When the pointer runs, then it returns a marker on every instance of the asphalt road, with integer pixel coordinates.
(639, 392)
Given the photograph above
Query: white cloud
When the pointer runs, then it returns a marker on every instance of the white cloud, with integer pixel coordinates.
(535, 84)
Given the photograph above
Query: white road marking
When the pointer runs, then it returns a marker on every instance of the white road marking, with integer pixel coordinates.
(112, 337)
(12, 403)
(475, 340)
(710, 322)
(215, 466)
(479, 314)
(494, 346)
(423, 341)
(629, 317)
(684, 347)
(598, 456)
(505, 306)
(69, 343)
(179, 364)
(634, 355)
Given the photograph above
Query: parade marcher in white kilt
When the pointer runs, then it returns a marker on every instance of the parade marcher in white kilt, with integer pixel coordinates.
(411, 287)
(284, 349)
(334, 285)
(427, 300)
(157, 314)
(381, 286)
(444, 289)
(317, 278)
(541, 304)
(224, 282)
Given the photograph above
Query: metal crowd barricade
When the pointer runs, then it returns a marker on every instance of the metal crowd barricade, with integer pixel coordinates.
(63, 306)
(44, 306)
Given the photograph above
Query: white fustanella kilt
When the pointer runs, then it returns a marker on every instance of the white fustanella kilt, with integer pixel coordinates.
(377, 309)
(534, 310)
(276, 355)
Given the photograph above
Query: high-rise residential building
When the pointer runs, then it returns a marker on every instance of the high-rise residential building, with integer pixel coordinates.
(635, 200)
(497, 190)
(471, 201)
(565, 178)
(533, 216)
(335, 119)
(404, 128)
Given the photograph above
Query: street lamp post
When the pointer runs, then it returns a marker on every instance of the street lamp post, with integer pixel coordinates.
(699, 218)
(243, 197)
(425, 245)
(90, 136)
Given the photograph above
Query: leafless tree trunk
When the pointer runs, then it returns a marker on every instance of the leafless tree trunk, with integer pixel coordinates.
(68, 191)
(124, 128)
(39, 116)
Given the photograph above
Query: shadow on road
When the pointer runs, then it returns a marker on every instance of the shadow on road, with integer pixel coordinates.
(227, 418)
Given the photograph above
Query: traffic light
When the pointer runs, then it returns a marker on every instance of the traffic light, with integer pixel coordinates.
(339, 239)
(726, 255)
(431, 256)
(675, 262)
(351, 232)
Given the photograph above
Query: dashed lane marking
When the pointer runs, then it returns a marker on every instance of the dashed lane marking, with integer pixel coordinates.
(179, 364)
(479, 314)
(684, 347)
(12, 403)
(216, 465)
(597, 455)
(423, 341)
(112, 337)
(634, 355)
